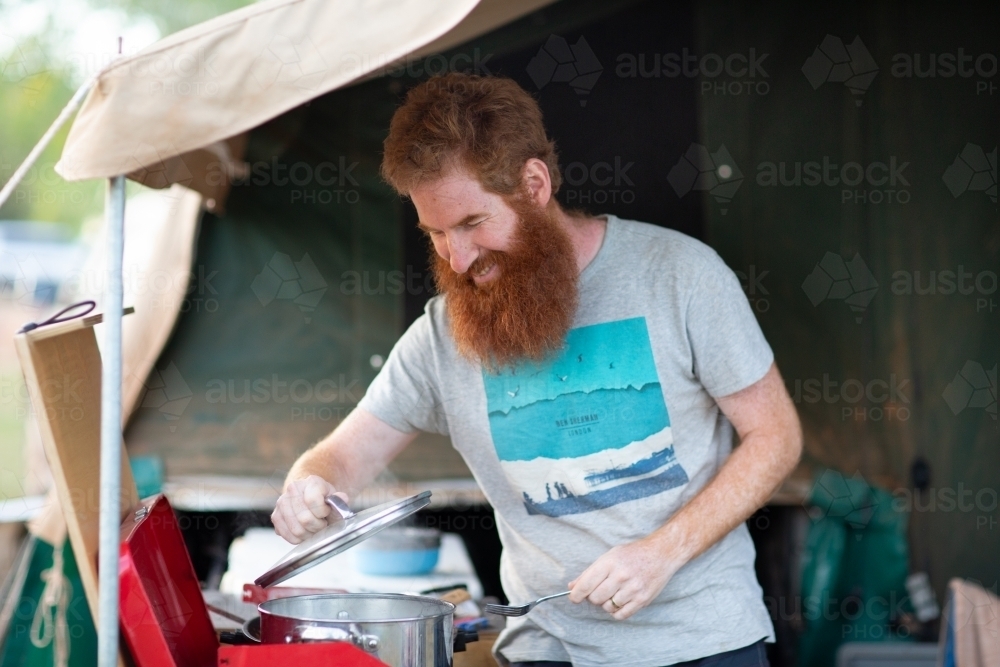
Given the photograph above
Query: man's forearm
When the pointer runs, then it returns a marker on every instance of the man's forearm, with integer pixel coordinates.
(636, 572)
(746, 480)
(320, 461)
(353, 455)
(770, 445)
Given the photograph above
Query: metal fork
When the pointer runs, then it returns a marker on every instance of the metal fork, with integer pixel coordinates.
(519, 609)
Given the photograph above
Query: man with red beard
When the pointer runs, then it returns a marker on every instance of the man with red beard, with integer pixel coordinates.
(590, 370)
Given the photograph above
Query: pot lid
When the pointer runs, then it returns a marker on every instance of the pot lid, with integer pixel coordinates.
(344, 532)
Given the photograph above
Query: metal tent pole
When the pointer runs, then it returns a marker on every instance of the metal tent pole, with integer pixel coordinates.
(111, 428)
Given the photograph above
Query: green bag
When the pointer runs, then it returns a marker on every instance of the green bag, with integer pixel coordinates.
(854, 568)
(51, 623)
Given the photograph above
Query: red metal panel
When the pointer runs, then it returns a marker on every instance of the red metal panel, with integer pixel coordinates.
(162, 612)
(328, 654)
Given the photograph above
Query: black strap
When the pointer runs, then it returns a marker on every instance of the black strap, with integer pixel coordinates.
(58, 317)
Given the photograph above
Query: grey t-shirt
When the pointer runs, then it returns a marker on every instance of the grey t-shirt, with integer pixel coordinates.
(600, 445)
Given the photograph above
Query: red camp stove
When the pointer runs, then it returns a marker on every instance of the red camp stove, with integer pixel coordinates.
(163, 615)
(165, 621)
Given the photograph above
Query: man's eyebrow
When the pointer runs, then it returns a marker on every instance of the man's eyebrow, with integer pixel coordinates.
(464, 221)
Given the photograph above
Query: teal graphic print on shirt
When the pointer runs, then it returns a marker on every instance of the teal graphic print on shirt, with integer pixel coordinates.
(588, 429)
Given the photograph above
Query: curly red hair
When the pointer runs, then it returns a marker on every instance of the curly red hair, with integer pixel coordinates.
(489, 126)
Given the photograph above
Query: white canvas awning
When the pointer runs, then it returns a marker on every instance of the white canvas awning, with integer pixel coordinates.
(162, 112)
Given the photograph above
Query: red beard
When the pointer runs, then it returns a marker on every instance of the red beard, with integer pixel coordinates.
(525, 312)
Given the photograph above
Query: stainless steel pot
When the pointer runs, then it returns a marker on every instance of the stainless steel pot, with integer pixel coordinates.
(399, 630)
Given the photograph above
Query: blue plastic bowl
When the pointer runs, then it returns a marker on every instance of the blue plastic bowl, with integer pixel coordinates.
(397, 563)
(399, 552)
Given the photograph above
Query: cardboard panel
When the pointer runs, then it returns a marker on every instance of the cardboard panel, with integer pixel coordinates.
(62, 369)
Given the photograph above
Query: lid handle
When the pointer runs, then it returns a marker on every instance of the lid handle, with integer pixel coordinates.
(338, 505)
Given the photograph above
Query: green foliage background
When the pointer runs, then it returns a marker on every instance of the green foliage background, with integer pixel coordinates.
(35, 86)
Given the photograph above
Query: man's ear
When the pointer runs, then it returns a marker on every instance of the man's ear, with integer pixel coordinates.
(535, 176)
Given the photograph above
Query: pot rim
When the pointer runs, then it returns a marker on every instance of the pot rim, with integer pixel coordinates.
(248, 626)
(448, 609)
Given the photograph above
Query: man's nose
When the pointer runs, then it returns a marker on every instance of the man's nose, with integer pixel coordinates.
(461, 254)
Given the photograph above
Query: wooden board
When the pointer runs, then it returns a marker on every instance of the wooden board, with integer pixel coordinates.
(479, 653)
(62, 370)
